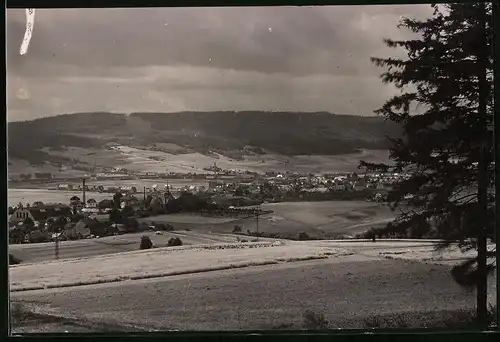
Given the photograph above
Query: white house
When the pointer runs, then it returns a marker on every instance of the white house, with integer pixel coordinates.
(91, 203)
(20, 215)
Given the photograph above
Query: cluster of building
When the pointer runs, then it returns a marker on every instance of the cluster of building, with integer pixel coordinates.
(309, 183)
(285, 182)
(97, 188)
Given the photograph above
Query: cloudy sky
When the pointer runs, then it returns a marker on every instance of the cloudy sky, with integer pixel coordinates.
(126, 60)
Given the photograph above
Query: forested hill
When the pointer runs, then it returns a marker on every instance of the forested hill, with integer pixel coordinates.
(281, 132)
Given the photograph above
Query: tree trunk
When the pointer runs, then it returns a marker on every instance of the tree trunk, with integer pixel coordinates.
(496, 14)
(483, 181)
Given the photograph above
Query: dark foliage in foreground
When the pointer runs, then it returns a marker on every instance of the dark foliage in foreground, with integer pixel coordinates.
(447, 144)
(313, 320)
(448, 319)
(462, 319)
(441, 146)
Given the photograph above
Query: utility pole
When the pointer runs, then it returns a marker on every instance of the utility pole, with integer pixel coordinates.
(58, 231)
(83, 188)
(57, 247)
(257, 212)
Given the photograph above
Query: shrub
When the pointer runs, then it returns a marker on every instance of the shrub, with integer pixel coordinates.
(161, 226)
(237, 229)
(313, 320)
(169, 227)
(13, 260)
(146, 242)
(18, 313)
(143, 227)
(175, 241)
(303, 236)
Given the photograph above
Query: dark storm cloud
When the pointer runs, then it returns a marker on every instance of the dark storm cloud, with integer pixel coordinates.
(182, 57)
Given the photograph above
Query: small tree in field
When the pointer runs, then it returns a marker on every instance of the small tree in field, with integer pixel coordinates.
(175, 241)
(146, 243)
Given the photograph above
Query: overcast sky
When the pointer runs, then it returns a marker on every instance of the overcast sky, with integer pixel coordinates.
(273, 58)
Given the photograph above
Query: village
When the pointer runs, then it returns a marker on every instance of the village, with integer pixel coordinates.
(86, 217)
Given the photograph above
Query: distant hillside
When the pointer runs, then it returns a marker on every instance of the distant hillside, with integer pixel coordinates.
(230, 133)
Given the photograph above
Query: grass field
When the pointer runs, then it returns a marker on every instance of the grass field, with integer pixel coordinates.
(232, 286)
(157, 263)
(49, 196)
(19, 166)
(348, 293)
(328, 219)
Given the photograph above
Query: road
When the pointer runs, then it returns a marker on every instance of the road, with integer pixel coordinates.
(265, 297)
(37, 252)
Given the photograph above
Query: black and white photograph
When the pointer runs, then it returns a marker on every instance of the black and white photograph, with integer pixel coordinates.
(236, 169)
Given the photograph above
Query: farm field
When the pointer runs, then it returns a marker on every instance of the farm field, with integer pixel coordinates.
(347, 288)
(49, 196)
(139, 160)
(20, 166)
(38, 252)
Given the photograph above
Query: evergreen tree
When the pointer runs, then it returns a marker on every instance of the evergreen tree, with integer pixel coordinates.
(447, 141)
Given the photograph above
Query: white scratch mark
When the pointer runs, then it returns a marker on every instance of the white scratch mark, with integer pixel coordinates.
(30, 21)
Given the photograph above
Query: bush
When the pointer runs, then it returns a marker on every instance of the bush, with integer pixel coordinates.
(175, 241)
(303, 236)
(146, 242)
(160, 226)
(143, 227)
(313, 320)
(237, 229)
(169, 227)
(13, 260)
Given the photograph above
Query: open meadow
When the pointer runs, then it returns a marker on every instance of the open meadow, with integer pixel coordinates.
(327, 219)
(250, 286)
(49, 196)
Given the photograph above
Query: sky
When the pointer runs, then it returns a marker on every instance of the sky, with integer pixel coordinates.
(202, 59)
